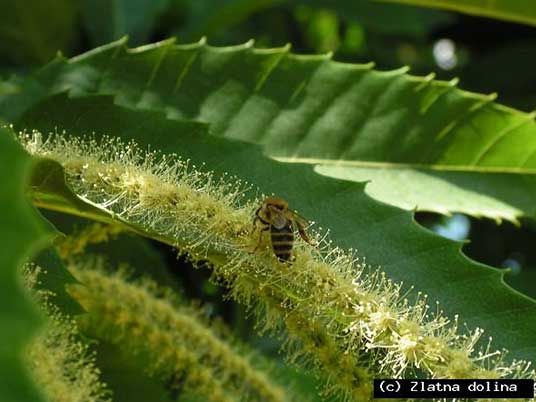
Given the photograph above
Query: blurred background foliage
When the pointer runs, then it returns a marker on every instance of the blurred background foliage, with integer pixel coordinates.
(487, 55)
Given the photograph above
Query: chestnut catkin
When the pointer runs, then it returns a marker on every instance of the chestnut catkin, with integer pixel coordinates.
(326, 294)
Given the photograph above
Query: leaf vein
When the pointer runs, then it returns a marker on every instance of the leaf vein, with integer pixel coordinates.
(500, 137)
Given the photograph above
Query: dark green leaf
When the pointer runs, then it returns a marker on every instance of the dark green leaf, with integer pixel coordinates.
(126, 248)
(495, 195)
(313, 110)
(34, 30)
(125, 376)
(205, 17)
(106, 20)
(387, 236)
(517, 10)
(55, 279)
(391, 19)
(22, 233)
(47, 184)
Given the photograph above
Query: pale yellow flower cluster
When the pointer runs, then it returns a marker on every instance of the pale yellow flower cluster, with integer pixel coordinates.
(344, 317)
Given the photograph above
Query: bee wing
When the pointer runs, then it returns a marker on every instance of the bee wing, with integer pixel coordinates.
(301, 220)
(302, 224)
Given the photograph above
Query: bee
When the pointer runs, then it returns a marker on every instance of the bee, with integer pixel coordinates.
(275, 216)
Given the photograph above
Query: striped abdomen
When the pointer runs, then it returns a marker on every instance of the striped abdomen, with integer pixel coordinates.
(282, 242)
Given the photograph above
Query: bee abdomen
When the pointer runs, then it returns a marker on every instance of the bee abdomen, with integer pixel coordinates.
(282, 242)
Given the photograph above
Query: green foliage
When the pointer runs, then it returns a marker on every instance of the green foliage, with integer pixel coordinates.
(458, 140)
(519, 10)
(385, 235)
(110, 20)
(413, 142)
(206, 17)
(49, 188)
(22, 232)
(53, 283)
(24, 35)
(499, 196)
(386, 18)
(171, 338)
(126, 377)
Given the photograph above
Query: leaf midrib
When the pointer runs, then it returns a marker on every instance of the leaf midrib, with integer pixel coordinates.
(392, 165)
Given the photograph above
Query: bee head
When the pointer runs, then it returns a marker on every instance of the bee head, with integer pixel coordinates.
(276, 203)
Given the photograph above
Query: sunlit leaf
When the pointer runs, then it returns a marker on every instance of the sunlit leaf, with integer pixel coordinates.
(310, 109)
(387, 236)
(522, 11)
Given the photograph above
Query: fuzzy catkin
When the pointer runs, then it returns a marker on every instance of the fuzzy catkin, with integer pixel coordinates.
(326, 294)
(62, 366)
(59, 362)
(92, 234)
(171, 336)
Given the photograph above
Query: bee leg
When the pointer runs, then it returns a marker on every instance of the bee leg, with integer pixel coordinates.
(254, 226)
(303, 234)
(263, 229)
(257, 216)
